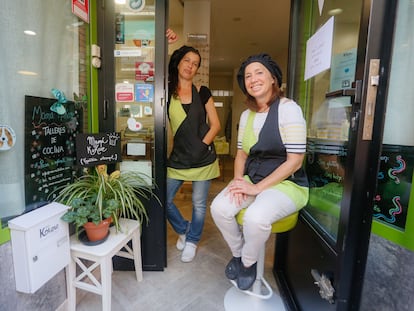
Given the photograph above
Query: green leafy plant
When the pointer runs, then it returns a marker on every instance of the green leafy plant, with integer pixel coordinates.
(96, 196)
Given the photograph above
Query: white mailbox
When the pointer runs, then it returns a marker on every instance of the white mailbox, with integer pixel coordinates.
(40, 245)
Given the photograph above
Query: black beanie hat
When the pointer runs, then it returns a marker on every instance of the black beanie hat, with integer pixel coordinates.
(266, 61)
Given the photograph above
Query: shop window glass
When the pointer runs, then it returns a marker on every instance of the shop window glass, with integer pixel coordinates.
(43, 47)
(394, 191)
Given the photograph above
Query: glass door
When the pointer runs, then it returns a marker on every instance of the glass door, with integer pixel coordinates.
(328, 135)
(329, 100)
(320, 264)
(134, 84)
(132, 91)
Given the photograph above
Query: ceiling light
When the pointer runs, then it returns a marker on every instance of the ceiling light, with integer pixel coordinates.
(27, 73)
(334, 12)
(30, 32)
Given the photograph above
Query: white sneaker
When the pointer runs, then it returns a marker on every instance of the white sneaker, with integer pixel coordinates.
(189, 252)
(181, 242)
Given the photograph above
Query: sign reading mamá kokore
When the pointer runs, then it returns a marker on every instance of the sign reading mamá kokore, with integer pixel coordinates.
(102, 148)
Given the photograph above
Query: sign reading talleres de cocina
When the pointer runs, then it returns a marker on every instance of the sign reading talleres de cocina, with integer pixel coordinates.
(50, 157)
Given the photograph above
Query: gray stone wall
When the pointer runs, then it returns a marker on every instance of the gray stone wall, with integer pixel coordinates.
(48, 298)
(389, 277)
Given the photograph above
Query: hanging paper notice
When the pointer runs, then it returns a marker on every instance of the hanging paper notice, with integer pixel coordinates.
(81, 9)
(319, 50)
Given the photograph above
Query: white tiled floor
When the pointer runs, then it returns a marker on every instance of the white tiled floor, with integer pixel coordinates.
(199, 285)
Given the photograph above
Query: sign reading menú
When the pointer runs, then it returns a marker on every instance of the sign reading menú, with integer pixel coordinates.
(50, 135)
(102, 148)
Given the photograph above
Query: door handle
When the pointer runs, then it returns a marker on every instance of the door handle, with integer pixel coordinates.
(373, 77)
(355, 91)
(162, 102)
(341, 92)
(105, 109)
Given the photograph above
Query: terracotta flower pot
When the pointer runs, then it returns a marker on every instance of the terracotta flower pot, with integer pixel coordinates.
(99, 231)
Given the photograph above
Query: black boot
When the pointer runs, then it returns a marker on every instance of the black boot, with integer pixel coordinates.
(247, 276)
(233, 268)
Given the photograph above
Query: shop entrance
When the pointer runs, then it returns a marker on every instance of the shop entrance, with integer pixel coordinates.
(321, 265)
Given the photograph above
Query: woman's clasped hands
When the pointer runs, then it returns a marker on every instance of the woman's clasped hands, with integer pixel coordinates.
(239, 189)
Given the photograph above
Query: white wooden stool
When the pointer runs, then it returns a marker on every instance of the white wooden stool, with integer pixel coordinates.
(101, 256)
(261, 296)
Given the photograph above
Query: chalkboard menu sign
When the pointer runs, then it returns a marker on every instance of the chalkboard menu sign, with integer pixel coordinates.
(394, 185)
(50, 159)
(94, 149)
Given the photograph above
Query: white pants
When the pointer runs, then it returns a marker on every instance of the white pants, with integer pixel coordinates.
(262, 210)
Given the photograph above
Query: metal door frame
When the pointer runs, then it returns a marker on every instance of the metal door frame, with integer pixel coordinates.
(377, 22)
(154, 235)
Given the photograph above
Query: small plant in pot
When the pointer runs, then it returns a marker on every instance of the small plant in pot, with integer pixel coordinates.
(98, 198)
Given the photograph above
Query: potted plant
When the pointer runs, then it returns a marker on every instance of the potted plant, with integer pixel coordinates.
(97, 197)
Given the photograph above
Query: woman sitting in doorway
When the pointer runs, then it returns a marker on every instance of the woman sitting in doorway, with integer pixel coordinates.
(268, 177)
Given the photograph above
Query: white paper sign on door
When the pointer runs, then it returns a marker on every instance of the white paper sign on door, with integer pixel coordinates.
(319, 50)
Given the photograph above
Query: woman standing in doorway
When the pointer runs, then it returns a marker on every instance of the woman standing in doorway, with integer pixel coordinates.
(193, 157)
(268, 177)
